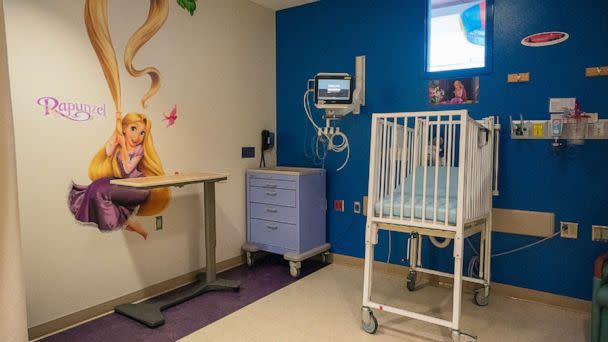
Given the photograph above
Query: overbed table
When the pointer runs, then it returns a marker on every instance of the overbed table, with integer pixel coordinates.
(150, 313)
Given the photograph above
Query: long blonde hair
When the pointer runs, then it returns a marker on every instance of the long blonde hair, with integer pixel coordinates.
(96, 21)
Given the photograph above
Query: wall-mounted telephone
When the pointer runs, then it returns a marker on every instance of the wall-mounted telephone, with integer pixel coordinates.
(267, 144)
(267, 140)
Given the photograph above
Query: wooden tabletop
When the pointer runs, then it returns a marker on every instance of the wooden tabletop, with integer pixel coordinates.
(170, 180)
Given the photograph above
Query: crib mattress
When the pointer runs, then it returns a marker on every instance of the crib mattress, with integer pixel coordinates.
(429, 203)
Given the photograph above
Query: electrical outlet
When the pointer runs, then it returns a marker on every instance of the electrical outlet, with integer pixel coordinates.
(159, 223)
(339, 205)
(569, 230)
(357, 207)
(599, 233)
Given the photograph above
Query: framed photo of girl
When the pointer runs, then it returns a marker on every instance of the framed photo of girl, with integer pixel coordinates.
(454, 91)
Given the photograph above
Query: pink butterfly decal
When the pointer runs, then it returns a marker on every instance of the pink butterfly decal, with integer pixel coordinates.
(172, 117)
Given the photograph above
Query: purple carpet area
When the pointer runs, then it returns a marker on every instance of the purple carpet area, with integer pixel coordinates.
(269, 274)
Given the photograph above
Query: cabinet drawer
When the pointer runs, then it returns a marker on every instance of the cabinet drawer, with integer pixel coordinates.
(272, 183)
(274, 233)
(274, 213)
(273, 196)
(269, 175)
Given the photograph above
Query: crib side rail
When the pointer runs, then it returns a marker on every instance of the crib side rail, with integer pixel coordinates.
(479, 168)
(407, 151)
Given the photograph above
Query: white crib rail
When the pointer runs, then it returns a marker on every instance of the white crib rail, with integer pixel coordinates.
(479, 169)
(405, 147)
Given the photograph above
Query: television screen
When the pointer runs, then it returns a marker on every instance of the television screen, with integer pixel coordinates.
(456, 35)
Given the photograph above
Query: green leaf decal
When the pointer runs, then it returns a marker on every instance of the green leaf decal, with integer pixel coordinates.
(188, 5)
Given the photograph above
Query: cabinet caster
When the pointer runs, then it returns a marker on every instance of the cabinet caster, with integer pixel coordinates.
(325, 257)
(294, 269)
(250, 259)
(411, 280)
(482, 297)
(369, 323)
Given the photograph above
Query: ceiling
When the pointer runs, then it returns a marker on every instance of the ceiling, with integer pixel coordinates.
(282, 4)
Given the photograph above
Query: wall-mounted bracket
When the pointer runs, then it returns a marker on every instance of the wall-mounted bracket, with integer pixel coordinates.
(359, 83)
(518, 78)
(596, 71)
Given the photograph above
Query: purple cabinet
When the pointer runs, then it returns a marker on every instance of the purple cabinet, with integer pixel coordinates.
(286, 209)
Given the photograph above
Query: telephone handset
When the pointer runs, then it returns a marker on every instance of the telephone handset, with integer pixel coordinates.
(267, 144)
(267, 140)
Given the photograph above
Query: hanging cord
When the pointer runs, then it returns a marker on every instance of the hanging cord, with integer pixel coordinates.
(344, 145)
(308, 112)
(442, 244)
(326, 139)
(262, 161)
(388, 259)
(474, 263)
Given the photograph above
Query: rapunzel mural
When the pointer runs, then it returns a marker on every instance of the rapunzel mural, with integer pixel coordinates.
(129, 151)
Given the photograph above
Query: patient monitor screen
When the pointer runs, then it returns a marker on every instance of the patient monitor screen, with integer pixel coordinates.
(334, 90)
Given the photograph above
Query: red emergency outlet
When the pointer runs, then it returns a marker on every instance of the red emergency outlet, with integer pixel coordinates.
(339, 205)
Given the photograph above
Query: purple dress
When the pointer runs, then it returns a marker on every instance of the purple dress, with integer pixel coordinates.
(106, 205)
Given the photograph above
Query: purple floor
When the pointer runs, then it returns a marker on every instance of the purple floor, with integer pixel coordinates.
(266, 276)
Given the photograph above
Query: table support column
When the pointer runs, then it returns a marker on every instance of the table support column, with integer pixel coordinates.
(210, 236)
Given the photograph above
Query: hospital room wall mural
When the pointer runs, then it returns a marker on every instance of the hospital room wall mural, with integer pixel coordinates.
(129, 150)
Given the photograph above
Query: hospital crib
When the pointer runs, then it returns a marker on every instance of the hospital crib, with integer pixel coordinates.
(431, 174)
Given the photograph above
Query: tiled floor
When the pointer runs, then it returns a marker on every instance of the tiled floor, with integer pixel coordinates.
(325, 306)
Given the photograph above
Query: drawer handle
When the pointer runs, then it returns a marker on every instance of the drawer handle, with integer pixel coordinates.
(271, 210)
(271, 193)
(272, 227)
(270, 185)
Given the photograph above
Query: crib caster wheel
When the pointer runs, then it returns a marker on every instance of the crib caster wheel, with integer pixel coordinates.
(411, 281)
(369, 323)
(459, 336)
(481, 298)
(249, 259)
(294, 269)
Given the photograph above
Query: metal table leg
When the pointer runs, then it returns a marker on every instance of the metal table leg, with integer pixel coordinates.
(150, 313)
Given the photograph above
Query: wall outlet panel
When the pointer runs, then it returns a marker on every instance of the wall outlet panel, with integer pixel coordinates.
(159, 223)
(599, 233)
(597, 129)
(568, 230)
(357, 207)
(339, 205)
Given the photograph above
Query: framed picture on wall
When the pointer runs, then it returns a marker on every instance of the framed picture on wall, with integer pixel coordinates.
(454, 91)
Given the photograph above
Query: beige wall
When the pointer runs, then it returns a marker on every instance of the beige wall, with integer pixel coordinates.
(13, 324)
(217, 66)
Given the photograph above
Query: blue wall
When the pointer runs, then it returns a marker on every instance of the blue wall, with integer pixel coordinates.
(326, 36)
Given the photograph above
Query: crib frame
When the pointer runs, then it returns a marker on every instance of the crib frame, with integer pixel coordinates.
(402, 145)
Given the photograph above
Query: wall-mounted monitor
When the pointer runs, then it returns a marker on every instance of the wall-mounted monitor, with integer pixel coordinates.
(333, 89)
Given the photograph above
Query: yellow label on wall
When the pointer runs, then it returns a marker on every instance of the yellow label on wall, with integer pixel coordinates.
(538, 130)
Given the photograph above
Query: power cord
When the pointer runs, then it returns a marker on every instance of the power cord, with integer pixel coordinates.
(474, 263)
(326, 136)
(262, 160)
(388, 259)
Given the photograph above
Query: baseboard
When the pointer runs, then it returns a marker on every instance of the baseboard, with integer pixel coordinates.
(104, 308)
(503, 290)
